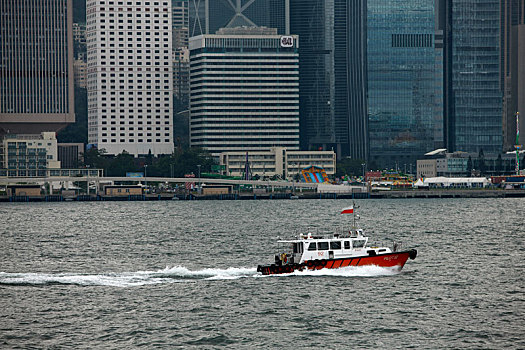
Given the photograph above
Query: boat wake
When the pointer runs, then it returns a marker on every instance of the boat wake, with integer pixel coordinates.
(175, 274)
(349, 271)
(125, 279)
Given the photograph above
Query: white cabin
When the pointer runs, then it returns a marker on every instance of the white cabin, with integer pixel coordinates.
(308, 247)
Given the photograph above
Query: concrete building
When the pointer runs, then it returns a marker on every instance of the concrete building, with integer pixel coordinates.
(79, 33)
(36, 70)
(130, 76)
(180, 23)
(244, 90)
(181, 76)
(426, 168)
(277, 161)
(28, 154)
(181, 54)
(80, 72)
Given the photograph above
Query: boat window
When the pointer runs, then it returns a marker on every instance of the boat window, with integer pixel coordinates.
(347, 244)
(358, 243)
(312, 246)
(297, 248)
(336, 245)
(322, 245)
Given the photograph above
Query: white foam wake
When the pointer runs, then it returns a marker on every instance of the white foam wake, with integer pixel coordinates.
(125, 279)
(351, 271)
(176, 274)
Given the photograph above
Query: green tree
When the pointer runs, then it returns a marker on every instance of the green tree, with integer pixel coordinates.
(96, 158)
(348, 166)
(121, 164)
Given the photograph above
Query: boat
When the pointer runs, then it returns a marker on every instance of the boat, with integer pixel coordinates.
(338, 249)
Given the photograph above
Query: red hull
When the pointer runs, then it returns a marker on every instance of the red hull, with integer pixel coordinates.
(384, 260)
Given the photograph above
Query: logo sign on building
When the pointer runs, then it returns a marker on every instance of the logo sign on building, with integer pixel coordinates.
(134, 174)
(286, 41)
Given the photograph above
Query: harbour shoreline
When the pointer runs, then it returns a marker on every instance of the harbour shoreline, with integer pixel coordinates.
(396, 194)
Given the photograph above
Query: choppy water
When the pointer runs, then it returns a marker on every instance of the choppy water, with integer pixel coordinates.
(183, 274)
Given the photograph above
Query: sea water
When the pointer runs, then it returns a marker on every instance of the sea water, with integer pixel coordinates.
(180, 274)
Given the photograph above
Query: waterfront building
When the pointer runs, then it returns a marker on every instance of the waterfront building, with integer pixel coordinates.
(474, 96)
(36, 55)
(512, 69)
(130, 76)
(332, 75)
(244, 90)
(208, 16)
(456, 164)
(405, 81)
(285, 163)
(28, 154)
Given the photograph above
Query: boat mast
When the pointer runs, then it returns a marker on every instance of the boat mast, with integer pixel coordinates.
(517, 146)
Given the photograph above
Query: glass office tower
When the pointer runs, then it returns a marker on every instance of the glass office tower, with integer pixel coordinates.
(405, 81)
(332, 86)
(476, 120)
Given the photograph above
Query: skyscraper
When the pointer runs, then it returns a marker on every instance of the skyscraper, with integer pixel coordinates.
(474, 96)
(130, 76)
(181, 64)
(180, 23)
(332, 52)
(512, 69)
(208, 16)
(36, 66)
(405, 81)
(244, 92)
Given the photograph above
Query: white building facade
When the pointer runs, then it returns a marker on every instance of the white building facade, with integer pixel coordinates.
(277, 161)
(130, 76)
(244, 90)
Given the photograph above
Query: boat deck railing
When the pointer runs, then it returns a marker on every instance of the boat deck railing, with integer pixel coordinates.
(320, 233)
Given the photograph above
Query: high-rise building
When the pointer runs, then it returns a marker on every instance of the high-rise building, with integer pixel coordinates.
(405, 81)
(512, 69)
(36, 66)
(332, 75)
(130, 76)
(180, 23)
(474, 89)
(244, 90)
(181, 66)
(208, 16)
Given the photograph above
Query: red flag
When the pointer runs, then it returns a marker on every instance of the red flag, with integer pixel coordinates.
(349, 210)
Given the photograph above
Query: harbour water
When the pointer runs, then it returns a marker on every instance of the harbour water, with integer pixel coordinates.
(178, 274)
